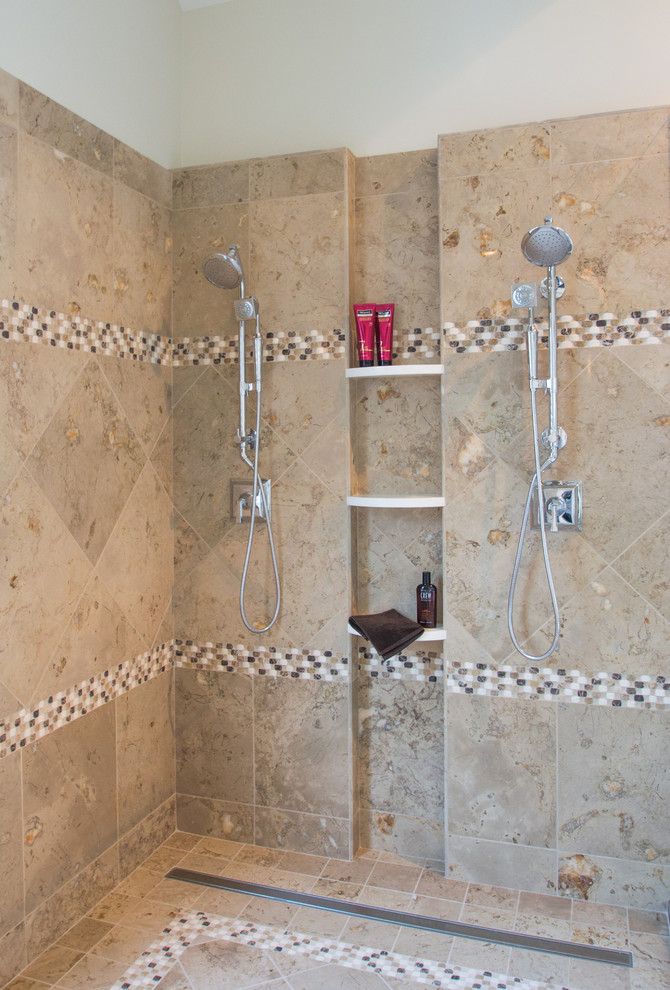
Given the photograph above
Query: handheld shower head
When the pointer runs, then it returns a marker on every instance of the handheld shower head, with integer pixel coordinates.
(546, 245)
(224, 270)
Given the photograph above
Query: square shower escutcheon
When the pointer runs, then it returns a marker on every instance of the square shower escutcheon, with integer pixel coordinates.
(562, 506)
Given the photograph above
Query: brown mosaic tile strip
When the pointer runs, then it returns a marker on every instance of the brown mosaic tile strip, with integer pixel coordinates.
(27, 323)
(425, 344)
(594, 330)
(21, 322)
(506, 681)
(425, 667)
(278, 346)
(263, 661)
(158, 959)
(29, 724)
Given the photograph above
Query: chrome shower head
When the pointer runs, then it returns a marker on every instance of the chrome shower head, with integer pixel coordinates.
(546, 245)
(224, 270)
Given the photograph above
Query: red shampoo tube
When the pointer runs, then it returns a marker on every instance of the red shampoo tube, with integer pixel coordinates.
(384, 332)
(365, 333)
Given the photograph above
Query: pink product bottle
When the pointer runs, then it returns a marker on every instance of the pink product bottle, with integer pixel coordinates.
(426, 602)
(384, 332)
(365, 333)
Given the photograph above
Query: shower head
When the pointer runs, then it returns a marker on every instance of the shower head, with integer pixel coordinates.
(224, 270)
(546, 245)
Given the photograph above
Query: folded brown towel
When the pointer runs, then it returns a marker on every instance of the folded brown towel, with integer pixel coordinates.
(389, 632)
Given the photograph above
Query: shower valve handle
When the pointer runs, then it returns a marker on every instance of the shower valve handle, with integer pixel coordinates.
(555, 508)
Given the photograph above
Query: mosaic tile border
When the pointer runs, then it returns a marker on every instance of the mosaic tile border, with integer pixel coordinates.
(22, 322)
(594, 330)
(642, 692)
(549, 684)
(424, 668)
(193, 927)
(28, 324)
(30, 724)
(279, 346)
(261, 661)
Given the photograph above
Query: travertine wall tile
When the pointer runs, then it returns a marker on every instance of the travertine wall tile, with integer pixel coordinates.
(301, 724)
(11, 848)
(501, 864)
(136, 563)
(200, 308)
(615, 805)
(68, 827)
(396, 230)
(145, 751)
(401, 765)
(135, 846)
(307, 174)
(214, 723)
(68, 133)
(12, 953)
(144, 392)
(86, 207)
(142, 262)
(9, 99)
(502, 149)
(8, 205)
(88, 461)
(140, 173)
(97, 636)
(610, 136)
(69, 903)
(502, 779)
(211, 816)
(65, 252)
(210, 185)
(604, 179)
(44, 574)
(298, 268)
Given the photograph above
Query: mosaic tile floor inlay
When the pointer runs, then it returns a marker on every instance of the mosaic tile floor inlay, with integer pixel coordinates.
(159, 958)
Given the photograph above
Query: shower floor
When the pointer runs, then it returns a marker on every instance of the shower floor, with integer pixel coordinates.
(153, 932)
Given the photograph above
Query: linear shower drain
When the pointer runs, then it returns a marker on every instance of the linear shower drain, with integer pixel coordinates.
(575, 950)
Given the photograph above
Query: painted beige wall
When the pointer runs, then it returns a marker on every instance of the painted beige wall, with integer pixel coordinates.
(113, 62)
(262, 77)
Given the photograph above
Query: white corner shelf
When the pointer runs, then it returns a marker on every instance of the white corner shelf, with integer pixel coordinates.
(428, 635)
(397, 501)
(395, 370)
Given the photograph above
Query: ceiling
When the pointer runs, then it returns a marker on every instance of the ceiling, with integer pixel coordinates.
(194, 4)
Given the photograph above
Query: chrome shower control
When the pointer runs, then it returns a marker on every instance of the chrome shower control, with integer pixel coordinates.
(560, 287)
(246, 308)
(562, 506)
(524, 295)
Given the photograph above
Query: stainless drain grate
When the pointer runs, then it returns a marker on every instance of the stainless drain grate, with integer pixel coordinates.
(575, 950)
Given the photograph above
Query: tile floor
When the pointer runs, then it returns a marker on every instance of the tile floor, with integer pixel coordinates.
(135, 937)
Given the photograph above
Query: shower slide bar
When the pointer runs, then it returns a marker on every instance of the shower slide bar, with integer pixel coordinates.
(574, 950)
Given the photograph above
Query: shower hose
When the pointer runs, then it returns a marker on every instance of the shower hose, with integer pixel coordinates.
(536, 482)
(258, 491)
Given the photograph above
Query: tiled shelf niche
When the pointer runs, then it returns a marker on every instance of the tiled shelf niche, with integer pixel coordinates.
(438, 634)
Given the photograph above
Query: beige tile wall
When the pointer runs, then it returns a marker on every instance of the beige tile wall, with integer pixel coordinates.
(290, 219)
(87, 545)
(560, 795)
(88, 485)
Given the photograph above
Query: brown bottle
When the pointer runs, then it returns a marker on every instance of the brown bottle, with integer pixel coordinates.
(426, 602)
